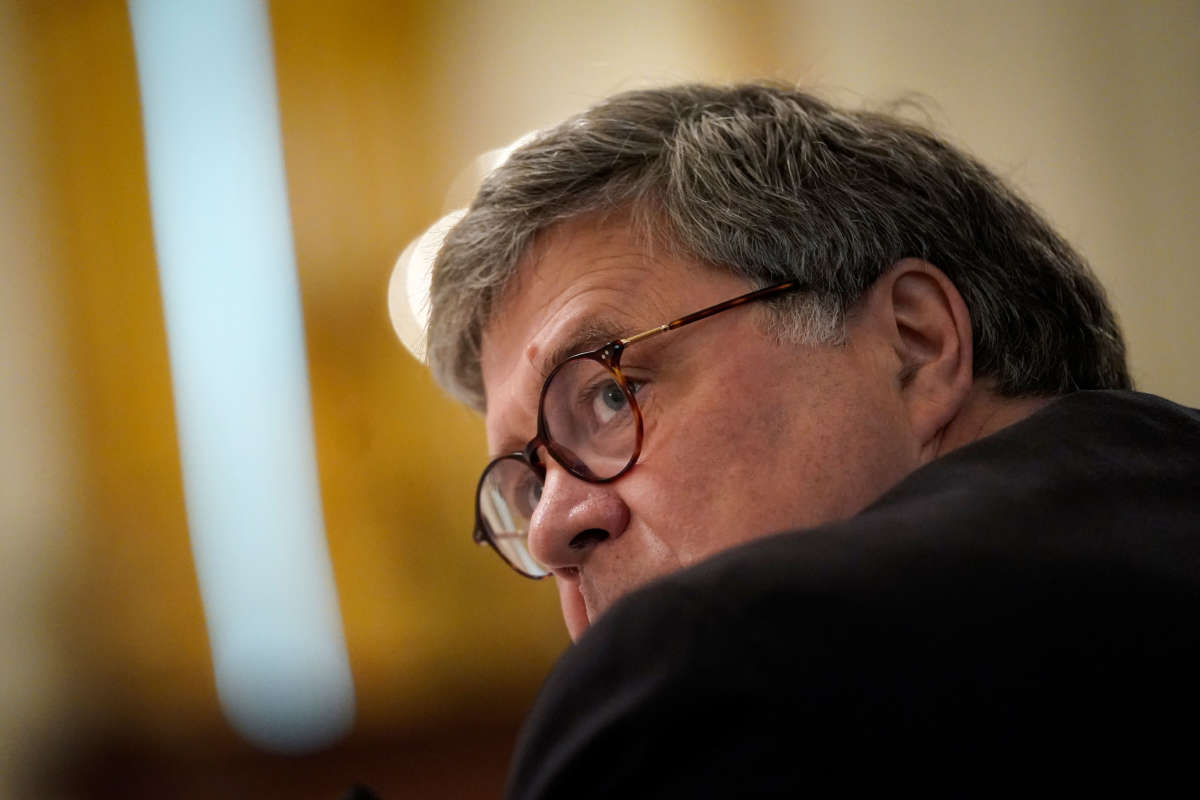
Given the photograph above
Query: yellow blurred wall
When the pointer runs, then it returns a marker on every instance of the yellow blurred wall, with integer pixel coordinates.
(39, 492)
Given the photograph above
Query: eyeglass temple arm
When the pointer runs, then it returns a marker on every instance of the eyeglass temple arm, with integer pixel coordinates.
(704, 313)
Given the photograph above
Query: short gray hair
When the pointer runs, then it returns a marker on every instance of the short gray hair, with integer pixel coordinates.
(774, 184)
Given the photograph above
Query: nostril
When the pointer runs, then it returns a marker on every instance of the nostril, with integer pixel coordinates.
(587, 538)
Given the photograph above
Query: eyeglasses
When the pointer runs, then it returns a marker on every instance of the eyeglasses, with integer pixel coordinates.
(589, 422)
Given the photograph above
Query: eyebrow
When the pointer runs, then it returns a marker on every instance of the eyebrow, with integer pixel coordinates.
(589, 335)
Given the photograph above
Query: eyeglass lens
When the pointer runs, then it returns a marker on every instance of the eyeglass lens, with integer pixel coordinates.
(591, 429)
(508, 493)
(589, 420)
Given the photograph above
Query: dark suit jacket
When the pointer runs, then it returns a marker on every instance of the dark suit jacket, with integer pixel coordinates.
(1028, 605)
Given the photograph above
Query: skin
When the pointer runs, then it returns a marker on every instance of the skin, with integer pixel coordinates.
(744, 436)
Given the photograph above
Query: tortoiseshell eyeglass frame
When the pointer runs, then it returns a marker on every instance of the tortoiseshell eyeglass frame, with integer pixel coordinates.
(609, 356)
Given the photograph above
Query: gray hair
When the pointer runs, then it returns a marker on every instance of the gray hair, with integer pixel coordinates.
(774, 184)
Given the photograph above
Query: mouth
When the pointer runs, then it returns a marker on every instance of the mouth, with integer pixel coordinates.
(586, 589)
(577, 612)
(593, 599)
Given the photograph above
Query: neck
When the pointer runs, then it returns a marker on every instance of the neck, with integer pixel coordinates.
(984, 413)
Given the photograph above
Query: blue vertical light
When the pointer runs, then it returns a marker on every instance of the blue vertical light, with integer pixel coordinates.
(235, 334)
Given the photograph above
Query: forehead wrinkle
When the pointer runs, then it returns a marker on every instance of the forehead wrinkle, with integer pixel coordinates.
(588, 334)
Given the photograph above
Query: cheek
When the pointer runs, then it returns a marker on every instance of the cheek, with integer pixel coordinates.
(781, 451)
(860, 448)
(686, 448)
(702, 470)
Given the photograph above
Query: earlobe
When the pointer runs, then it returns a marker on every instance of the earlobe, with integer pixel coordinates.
(931, 332)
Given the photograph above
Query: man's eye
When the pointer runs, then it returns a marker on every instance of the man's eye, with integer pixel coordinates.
(608, 402)
(612, 397)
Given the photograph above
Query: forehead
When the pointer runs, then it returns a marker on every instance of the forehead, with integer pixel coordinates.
(582, 283)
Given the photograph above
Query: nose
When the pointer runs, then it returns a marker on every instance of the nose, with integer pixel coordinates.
(572, 518)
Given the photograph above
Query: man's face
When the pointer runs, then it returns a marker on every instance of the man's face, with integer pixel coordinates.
(744, 436)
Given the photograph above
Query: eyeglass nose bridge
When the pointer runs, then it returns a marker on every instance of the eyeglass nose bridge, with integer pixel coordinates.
(565, 458)
(530, 453)
(562, 456)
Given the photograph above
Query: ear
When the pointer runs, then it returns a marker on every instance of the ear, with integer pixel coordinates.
(929, 329)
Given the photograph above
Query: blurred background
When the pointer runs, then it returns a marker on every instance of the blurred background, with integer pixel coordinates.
(106, 685)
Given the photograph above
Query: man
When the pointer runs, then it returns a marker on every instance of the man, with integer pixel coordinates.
(824, 437)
